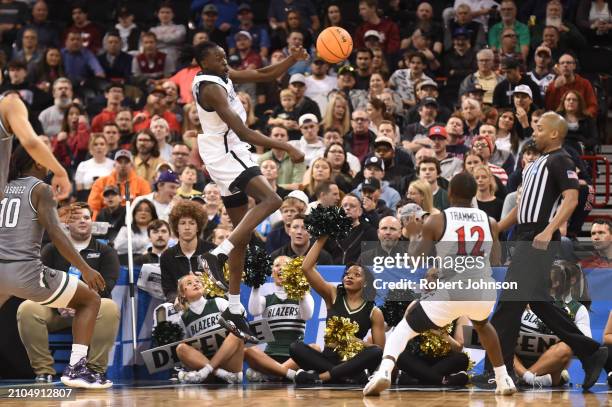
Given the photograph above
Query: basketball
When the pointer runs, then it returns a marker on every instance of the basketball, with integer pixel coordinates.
(334, 44)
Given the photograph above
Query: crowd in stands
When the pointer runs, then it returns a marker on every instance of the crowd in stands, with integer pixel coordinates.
(432, 88)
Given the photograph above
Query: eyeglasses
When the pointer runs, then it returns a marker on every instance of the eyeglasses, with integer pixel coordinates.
(481, 145)
(361, 119)
(179, 153)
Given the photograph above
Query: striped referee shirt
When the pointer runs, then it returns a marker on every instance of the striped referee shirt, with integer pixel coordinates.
(544, 180)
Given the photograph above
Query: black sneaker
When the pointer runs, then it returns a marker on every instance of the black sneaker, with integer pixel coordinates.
(80, 375)
(404, 379)
(306, 377)
(456, 379)
(102, 381)
(486, 380)
(239, 326)
(213, 266)
(592, 366)
(44, 378)
(610, 379)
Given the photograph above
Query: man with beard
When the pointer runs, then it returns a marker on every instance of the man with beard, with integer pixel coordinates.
(159, 234)
(504, 91)
(155, 107)
(52, 117)
(146, 155)
(123, 120)
(114, 96)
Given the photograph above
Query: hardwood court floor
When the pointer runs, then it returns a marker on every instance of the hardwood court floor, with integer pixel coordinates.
(154, 394)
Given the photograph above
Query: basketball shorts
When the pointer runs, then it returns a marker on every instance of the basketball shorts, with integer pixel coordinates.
(31, 280)
(230, 167)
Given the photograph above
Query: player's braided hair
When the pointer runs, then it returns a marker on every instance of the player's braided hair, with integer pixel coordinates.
(20, 162)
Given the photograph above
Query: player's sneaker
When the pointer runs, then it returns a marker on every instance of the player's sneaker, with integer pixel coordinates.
(229, 377)
(565, 378)
(238, 325)
(44, 378)
(306, 377)
(379, 382)
(102, 382)
(456, 379)
(505, 386)
(80, 376)
(592, 366)
(610, 379)
(213, 267)
(254, 376)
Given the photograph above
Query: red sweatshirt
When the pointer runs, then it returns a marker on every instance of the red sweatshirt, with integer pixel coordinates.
(581, 85)
(74, 149)
(389, 30)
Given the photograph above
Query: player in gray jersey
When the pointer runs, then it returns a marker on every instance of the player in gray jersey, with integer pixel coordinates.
(27, 209)
(14, 122)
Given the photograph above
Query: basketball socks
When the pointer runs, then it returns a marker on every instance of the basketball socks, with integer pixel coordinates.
(500, 373)
(235, 306)
(396, 343)
(290, 374)
(531, 379)
(78, 352)
(225, 247)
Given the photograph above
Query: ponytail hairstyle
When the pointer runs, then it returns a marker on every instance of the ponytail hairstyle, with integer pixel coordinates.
(20, 161)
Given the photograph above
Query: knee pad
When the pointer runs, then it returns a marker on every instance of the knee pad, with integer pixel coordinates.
(419, 321)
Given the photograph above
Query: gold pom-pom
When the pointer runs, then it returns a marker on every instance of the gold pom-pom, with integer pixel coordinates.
(340, 336)
(293, 280)
(433, 344)
(210, 288)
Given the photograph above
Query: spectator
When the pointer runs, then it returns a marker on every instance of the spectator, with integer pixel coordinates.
(286, 115)
(582, 130)
(13, 16)
(422, 42)
(319, 171)
(116, 63)
(112, 213)
(415, 135)
(98, 166)
(71, 144)
(36, 321)
(166, 188)
(180, 160)
(310, 143)
(471, 111)
(419, 191)
(191, 124)
(425, 24)
(46, 31)
(374, 208)
(299, 242)
(160, 129)
(128, 30)
(386, 128)
(542, 74)
(427, 89)
(327, 195)
(341, 170)
(570, 35)
(331, 136)
(337, 114)
(52, 117)
(151, 64)
(485, 76)
(507, 138)
(550, 39)
(449, 164)
(601, 236)
(34, 98)
(377, 113)
(170, 36)
(159, 236)
(114, 97)
(188, 179)
(524, 108)
(249, 58)
(90, 32)
(595, 20)
(485, 148)
(466, 20)
(110, 131)
(129, 183)
(459, 61)
(399, 163)
(155, 107)
(428, 170)
(145, 148)
(294, 203)
(389, 232)
(333, 17)
(259, 35)
(269, 169)
(368, 10)
(171, 100)
(456, 134)
(208, 21)
(566, 80)
(290, 174)
(508, 20)
(213, 203)
(183, 79)
(404, 81)
(378, 90)
(363, 62)
(379, 61)
(303, 104)
(294, 23)
(124, 123)
(348, 249)
(279, 10)
(485, 194)
(48, 70)
(79, 62)
(374, 167)
(359, 140)
(142, 214)
(30, 53)
(529, 153)
(504, 91)
(319, 83)
(508, 48)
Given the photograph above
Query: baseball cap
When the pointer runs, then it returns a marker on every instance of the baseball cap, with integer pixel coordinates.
(429, 102)
(543, 48)
(371, 184)
(373, 33)
(438, 131)
(308, 117)
(347, 69)
(427, 82)
(411, 209)
(297, 77)
(244, 7)
(523, 89)
(461, 32)
(168, 176)
(384, 140)
(374, 161)
(244, 33)
(123, 153)
(110, 189)
(474, 88)
(297, 194)
(161, 165)
(210, 9)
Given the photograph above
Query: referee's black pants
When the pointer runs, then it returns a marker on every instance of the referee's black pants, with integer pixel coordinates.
(530, 269)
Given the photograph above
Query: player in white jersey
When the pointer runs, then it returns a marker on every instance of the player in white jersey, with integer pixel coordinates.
(224, 149)
(459, 232)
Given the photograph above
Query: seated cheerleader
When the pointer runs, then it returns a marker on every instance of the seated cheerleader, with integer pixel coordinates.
(548, 368)
(199, 316)
(287, 320)
(345, 300)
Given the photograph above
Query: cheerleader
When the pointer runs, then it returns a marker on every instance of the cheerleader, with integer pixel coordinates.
(200, 315)
(287, 320)
(348, 300)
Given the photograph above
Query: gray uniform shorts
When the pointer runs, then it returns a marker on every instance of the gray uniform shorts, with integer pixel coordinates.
(31, 280)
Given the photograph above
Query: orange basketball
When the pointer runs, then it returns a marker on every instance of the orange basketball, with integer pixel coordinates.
(334, 44)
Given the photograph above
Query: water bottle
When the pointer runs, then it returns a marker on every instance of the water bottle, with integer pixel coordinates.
(75, 272)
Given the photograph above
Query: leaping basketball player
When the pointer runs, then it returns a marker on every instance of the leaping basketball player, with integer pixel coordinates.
(224, 148)
(459, 231)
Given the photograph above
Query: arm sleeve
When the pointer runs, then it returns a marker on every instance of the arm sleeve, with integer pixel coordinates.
(109, 269)
(257, 303)
(583, 321)
(306, 307)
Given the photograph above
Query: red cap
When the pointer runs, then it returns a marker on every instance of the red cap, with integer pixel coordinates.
(438, 131)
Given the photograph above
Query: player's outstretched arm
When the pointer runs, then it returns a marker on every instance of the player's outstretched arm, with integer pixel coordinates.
(216, 98)
(270, 72)
(326, 290)
(45, 205)
(16, 114)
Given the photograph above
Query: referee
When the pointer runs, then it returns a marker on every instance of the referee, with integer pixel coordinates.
(548, 199)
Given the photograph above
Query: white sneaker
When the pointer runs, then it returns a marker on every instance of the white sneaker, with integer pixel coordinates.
(254, 376)
(543, 381)
(379, 382)
(229, 377)
(505, 386)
